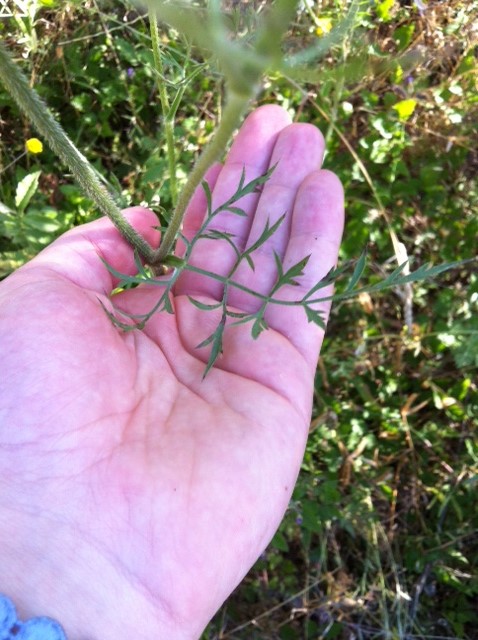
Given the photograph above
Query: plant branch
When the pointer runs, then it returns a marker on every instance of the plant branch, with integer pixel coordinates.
(37, 112)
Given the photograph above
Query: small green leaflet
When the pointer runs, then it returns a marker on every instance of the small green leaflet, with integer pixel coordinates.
(315, 316)
(179, 93)
(422, 273)
(258, 327)
(221, 235)
(333, 275)
(237, 210)
(26, 189)
(203, 306)
(208, 194)
(267, 232)
(358, 271)
(296, 271)
(216, 340)
(174, 261)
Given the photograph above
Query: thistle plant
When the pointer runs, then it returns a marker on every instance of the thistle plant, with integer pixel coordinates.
(243, 64)
(243, 61)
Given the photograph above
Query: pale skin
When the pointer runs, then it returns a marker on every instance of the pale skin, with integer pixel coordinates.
(134, 495)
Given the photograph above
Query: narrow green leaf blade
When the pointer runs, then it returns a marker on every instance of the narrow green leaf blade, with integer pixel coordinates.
(168, 307)
(333, 275)
(267, 233)
(258, 327)
(237, 211)
(26, 189)
(175, 104)
(425, 272)
(254, 185)
(203, 306)
(242, 179)
(122, 277)
(216, 340)
(314, 316)
(208, 194)
(206, 342)
(280, 269)
(296, 271)
(174, 261)
(250, 261)
(213, 234)
(397, 271)
(358, 271)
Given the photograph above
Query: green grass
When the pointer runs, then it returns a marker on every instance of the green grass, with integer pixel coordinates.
(380, 538)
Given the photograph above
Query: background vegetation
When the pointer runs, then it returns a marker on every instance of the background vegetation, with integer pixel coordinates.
(380, 540)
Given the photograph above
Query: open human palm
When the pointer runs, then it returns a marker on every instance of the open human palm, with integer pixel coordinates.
(135, 495)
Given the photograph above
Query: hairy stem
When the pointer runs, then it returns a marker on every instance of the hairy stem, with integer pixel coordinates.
(37, 112)
(233, 111)
(163, 96)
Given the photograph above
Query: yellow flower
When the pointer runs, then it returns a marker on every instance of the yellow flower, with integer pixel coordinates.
(324, 25)
(33, 145)
(405, 108)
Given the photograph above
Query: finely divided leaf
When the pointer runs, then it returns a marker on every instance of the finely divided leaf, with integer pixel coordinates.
(122, 277)
(253, 185)
(358, 271)
(183, 239)
(424, 272)
(114, 320)
(237, 210)
(238, 314)
(396, 272)
(330, 277)
(249, 260)
(247, 318)
(203, 306)
(216, 340)
(280, 270)
(174, 261)
(168, 307)
(179, 94)
(267, 232)
(241, 181)
(213, 234)
(315, 316)
(139, 265)
(241, 191)
(207, 193)
(296, 271)
(258, 327)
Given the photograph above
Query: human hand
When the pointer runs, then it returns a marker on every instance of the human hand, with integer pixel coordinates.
(134, 495)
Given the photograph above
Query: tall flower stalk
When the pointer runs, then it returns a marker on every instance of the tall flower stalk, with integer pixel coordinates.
(168, 119)
(243, 65)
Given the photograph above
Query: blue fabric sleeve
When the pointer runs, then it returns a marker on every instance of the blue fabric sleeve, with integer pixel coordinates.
(40, 628)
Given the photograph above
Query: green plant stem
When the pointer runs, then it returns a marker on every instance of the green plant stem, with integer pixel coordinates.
(37, 112)
(168, 119)
(233, 111)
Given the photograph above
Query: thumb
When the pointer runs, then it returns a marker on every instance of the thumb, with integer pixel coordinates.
(78, 254)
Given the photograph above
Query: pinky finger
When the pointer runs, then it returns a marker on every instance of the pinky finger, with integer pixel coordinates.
(316, 231)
